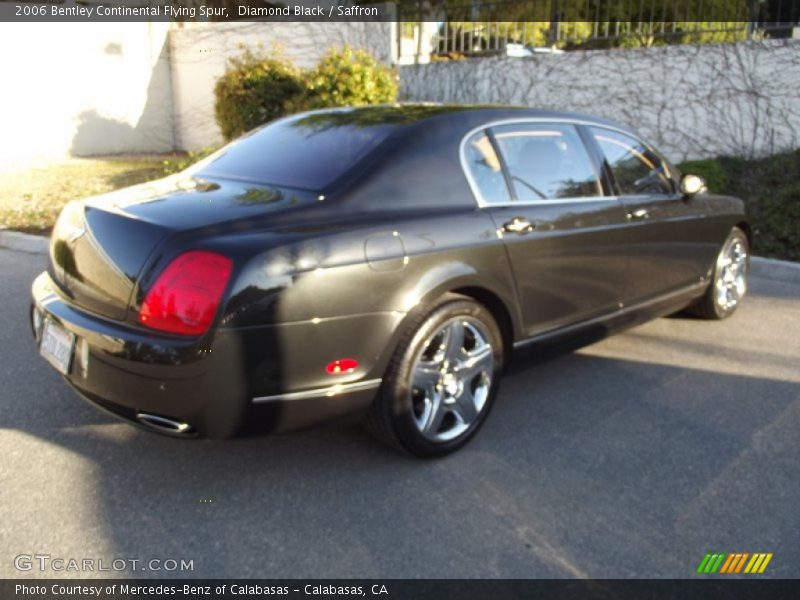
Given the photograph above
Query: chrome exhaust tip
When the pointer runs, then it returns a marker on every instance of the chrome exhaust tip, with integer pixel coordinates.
(37, 322)
(165, 425)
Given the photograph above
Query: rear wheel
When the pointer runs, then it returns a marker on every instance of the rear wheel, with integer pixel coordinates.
(442, 380)
(729, 280)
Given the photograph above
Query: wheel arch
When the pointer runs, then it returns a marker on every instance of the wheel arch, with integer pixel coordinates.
(748, 231)
(461, 281)
(495, 305)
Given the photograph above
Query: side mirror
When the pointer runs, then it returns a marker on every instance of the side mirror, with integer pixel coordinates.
(692, 184)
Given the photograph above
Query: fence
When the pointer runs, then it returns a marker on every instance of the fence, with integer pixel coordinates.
(454, 29)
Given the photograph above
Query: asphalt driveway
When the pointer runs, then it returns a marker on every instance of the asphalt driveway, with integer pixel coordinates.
(632, 457)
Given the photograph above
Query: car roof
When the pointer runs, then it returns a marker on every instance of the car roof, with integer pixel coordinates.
(470, 114)
(419, 165)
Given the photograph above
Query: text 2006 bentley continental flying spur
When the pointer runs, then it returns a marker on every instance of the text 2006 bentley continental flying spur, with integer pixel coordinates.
(379, 262)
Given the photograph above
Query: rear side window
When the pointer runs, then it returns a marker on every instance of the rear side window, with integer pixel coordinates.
(308, 152)
(547, 161)
(485, 169)
(636, 168)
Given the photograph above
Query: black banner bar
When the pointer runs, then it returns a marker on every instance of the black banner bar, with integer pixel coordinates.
(395, 589)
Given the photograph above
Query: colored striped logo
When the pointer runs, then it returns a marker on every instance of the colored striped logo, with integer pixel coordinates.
(736, 562)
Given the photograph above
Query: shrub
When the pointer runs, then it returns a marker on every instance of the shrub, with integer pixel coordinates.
(257, 88)
(770, 188)
(349, 77)
(776, 222)
(253, 90)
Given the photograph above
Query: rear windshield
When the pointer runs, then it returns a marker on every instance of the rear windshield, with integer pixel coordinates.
(308, 152)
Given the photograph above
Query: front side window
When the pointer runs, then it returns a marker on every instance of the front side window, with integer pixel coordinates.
(485, 169)
(636, 169)
(547, 161)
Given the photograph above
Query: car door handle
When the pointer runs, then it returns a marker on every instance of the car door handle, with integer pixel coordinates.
(518, 225)
(638, 215)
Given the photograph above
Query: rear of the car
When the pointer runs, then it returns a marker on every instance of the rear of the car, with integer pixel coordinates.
(129, 309)
(141, 360)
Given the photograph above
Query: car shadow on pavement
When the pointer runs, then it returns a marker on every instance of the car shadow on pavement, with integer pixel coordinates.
(581, 455)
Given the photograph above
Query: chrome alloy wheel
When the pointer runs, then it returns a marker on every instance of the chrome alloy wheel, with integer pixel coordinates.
(730, 284)
(451, 378)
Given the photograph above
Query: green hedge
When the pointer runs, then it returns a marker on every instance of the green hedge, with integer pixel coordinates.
(711, 170)
(349, 78)
(257, 88)
(770, 188)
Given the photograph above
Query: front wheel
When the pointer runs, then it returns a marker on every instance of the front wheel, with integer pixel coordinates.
(441, 381)
(729, 279)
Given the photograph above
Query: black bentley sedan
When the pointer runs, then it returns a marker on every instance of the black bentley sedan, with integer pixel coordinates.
(379, 263)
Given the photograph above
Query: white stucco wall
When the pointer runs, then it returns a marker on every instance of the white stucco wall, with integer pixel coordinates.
(200, 53)
(84, 89)
(90, 88)
(690, 101)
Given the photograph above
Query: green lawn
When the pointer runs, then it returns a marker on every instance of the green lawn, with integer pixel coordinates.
(31, 199)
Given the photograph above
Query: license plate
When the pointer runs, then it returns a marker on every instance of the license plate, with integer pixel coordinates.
(57, 346)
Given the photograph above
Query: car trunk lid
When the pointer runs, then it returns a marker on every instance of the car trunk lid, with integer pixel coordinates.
(96, 255)
(99, 246)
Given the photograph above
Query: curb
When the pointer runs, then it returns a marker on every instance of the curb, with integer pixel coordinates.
(771, 268)
(768, 268)
(24, 242)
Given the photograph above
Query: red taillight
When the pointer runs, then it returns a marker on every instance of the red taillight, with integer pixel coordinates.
(185, 297)
(341, 366)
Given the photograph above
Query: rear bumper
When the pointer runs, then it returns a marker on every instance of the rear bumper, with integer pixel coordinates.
(232, 382)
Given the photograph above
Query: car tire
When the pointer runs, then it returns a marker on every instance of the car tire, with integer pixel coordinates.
(441, 381)
(728, 280)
